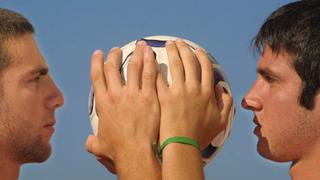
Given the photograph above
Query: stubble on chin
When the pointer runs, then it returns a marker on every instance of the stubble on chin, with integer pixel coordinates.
(36, 151)
(28, 148)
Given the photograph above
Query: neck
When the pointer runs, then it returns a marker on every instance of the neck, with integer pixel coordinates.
(9, 169)
(308, 167)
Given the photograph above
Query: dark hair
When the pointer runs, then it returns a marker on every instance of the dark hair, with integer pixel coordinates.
(295, 29)
(12, 25)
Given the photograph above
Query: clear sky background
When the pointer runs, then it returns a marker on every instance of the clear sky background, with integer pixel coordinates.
(69, 31)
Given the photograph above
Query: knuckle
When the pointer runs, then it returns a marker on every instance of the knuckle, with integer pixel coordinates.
(193, 88)
(132, 66)
(95, 76)
(148, 76)
(130, 96)
(113, 96)
(207, 92)
(147, 97)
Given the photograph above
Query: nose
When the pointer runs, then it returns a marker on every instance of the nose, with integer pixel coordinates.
(252, 101)
(56, 98)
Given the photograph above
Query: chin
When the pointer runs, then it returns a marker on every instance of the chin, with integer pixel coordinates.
(44, 153)
(272, 154)
(37, 153)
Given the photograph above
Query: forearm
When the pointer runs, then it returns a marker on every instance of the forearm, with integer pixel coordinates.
(181, 161)
(139, 165)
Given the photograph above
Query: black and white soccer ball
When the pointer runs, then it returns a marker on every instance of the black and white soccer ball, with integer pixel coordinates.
(157, 43)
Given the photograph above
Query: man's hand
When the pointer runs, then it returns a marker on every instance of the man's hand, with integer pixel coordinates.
(129, 113)
(189, 106)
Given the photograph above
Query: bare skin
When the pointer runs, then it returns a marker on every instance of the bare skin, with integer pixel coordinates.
(201, 123)
(25, 129)
(286, 131)
(130, 125)
(189, 108)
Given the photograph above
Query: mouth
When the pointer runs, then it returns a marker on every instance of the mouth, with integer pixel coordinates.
(50, 126)
(256, 122)
(257, 129)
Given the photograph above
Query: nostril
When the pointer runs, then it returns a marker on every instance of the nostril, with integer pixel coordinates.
(244, 103)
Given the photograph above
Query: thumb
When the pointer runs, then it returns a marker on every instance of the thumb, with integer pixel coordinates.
(92, 146)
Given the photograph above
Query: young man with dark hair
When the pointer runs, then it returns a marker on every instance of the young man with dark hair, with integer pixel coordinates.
(29, 97)
(285, 98)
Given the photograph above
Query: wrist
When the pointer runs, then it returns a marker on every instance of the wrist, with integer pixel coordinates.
(176, 133)
(172, 127)
(130, 157)
(179, 140)
(178, 152)
(178, 159)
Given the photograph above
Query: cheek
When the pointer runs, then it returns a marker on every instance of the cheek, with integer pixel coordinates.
(25, 107)
(30, 99)
(278, 111)
(283, 119)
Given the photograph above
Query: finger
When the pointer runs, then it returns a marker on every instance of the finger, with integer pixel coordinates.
(206, 70)
(224, 103)
(190, 62)
(175, 64)
(92, 146)
(162, 86)
(149, 73)
(97, 74)
(111, 68)
(135, 67)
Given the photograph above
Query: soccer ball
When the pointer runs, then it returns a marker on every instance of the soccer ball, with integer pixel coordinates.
(157, 43)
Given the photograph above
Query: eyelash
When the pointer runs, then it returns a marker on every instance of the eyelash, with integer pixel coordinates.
(36, 79)
(269, 79)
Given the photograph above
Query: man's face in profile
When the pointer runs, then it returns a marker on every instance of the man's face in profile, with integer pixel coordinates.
(29, 98)
(284, 128)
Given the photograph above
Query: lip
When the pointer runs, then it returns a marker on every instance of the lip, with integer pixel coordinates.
(50, 126)
(257, 129)
(255, 121)
(52, 123)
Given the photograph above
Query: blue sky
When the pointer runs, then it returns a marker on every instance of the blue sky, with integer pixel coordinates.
(69, 31)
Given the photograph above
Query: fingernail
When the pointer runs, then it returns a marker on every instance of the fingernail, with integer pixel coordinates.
(197, 49)
(114, 48)
(97, 51)
(141, 43)
(180, 40)
(169, 42)
(148, 50)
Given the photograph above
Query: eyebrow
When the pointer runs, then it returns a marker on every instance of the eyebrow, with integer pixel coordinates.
(266, 72)
(40, 71)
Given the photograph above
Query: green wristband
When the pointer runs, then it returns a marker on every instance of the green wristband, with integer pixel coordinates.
(178, 139)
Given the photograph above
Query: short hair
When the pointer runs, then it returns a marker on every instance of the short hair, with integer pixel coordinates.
(295, 29)
(12, 25)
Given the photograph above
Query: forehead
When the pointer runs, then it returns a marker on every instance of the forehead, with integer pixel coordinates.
(281, 62)
(24, 54)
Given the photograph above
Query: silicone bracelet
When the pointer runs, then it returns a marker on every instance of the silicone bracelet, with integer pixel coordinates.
(178, 139)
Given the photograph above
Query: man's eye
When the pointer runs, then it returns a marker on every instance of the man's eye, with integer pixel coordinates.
(36, 79)
(268, 79)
